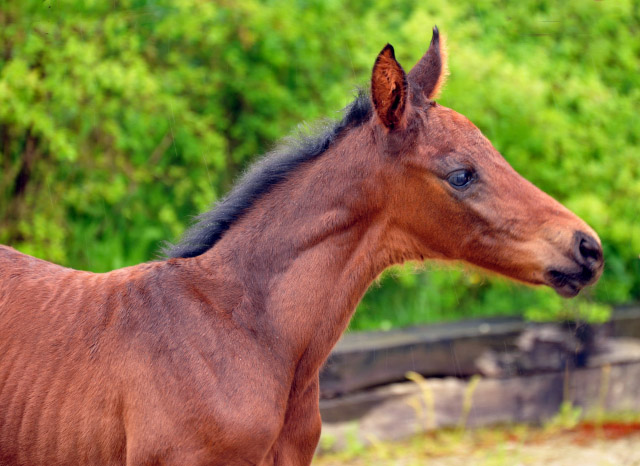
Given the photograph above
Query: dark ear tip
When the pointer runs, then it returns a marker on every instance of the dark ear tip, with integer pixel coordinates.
(388, 50)
(436, 35)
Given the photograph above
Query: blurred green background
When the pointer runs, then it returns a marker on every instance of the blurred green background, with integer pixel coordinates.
(121, 119)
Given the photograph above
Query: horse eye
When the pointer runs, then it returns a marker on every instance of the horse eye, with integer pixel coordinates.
(460, 179)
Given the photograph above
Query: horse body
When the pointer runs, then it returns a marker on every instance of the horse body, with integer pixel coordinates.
(212, 357)
(47, 330)
(103, 368)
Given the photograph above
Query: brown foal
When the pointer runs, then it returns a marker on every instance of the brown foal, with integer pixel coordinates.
(212, 356)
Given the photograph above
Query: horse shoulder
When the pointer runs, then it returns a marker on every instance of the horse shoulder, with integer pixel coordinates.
(195, 373)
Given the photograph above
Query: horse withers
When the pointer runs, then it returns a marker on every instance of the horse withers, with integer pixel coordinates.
(212, 355)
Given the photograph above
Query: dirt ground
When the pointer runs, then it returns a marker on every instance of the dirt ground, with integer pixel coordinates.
(557, 452)
(612, 444)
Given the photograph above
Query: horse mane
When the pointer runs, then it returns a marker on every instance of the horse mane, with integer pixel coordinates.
(262, 176)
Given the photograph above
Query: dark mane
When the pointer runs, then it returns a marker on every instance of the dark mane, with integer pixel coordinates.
(260, 178)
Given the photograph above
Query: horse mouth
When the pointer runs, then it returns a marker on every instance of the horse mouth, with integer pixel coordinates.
(568, 284)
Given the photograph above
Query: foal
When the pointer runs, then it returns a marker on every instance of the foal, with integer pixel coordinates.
(212, 356)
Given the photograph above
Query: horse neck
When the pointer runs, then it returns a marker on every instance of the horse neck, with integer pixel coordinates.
(306, 252)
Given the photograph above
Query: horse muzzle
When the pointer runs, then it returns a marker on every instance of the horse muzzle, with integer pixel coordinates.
(586, 255)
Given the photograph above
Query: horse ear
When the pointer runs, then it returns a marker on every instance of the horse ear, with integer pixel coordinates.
(431, 71)
(389, 88)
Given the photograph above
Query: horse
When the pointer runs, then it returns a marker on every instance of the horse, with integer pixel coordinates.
(210, 355)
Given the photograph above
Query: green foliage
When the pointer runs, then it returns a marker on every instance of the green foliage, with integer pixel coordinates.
(121, 119)
(568, 417)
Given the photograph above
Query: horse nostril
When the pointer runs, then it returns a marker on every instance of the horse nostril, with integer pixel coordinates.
(589, 250)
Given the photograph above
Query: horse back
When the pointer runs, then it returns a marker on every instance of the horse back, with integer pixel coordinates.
(60, 400)
(101, 368)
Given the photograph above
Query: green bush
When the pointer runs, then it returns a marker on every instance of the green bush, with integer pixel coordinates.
(119, 120)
